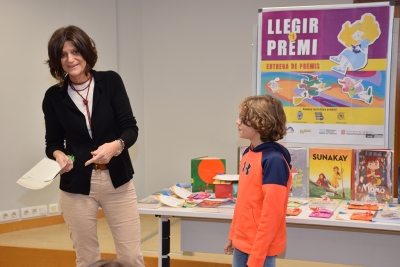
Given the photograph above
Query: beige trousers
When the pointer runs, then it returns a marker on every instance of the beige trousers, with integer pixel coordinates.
(120, 209)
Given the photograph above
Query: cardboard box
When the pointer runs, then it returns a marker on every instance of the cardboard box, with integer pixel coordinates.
(223, 190)
(203, 170)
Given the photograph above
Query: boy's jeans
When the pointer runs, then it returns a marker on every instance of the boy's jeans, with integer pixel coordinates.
(240, 259)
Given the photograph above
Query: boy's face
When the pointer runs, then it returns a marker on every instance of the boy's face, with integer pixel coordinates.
(246, 131)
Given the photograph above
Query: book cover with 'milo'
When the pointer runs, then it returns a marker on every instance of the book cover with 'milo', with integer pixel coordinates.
(373, 179)
(330, 172)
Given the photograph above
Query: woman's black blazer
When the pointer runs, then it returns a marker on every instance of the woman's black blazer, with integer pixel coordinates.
(66, 130)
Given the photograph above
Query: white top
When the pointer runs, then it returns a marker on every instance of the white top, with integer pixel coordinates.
(79, 101)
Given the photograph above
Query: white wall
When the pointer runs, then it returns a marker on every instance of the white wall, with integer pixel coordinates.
(25, 28)
(186, 64)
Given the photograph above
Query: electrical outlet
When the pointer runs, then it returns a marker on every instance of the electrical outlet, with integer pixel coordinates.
(9, 215)
(53, 208)
(31, 212)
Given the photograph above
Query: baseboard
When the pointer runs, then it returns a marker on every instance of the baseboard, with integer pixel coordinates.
(20, 256)
(34, 223)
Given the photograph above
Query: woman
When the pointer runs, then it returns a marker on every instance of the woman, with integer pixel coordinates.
(89, 128)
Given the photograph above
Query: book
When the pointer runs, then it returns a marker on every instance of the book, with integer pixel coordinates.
(150, 202)
(210, 205)
(387, 216)
(293, 211)
(40, 175)
(223, 189)
(299, 172)
(357, 216)
(373, 179)
(203, 170)
(327, 204)
(365, 206)
(241, 150)
(227, 177)
(330, 172)
(180, 191)
(171, 201)
(297, 202)
(165, 191)
(169, 191)
(398, 184)
(199, 195)
(321, 213)
(228, 207)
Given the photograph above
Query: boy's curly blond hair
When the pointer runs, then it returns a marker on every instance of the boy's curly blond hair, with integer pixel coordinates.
(265, 114)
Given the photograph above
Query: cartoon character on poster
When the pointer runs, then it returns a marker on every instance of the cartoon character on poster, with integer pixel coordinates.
(356, 37)
(312, 86)
(274, 85)
(355, 90)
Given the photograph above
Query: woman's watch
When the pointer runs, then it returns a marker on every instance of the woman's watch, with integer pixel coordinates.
(121, 146)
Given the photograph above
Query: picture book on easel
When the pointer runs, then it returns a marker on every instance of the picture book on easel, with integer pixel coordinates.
(330, 172)
(373, 180)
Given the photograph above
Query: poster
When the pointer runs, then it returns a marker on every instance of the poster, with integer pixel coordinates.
(330, 67)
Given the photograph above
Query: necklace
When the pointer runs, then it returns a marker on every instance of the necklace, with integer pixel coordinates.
(85, 99)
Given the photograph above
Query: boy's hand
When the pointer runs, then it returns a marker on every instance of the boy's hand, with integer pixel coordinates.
(228, 247)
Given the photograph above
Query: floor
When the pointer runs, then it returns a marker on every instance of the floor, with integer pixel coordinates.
(57, 237)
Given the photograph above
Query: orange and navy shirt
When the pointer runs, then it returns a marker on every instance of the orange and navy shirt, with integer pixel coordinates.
(259, 222)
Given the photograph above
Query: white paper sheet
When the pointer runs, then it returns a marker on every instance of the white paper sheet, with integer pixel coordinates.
(41, 175)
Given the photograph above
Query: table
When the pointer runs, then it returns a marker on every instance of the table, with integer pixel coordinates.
(310, 239)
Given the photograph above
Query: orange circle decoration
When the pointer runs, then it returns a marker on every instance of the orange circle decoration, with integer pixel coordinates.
(209, 168)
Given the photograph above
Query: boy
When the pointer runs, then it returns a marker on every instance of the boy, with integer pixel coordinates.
(258, 229)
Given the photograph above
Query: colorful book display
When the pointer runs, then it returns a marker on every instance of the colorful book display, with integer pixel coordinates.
(330, 172)
(299, 172)
(211, 205)
(203, 170)
(373, 180)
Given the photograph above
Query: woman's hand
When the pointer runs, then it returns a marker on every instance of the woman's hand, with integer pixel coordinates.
(65, 162)
(104, 153)
(228, 247)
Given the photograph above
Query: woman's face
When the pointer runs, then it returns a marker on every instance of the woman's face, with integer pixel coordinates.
(357, 35)
(73, 63)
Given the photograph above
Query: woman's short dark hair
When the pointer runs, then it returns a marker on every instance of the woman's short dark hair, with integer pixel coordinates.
(83, 43)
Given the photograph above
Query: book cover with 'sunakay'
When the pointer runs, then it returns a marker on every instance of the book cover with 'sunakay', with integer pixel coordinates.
(330, 172)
